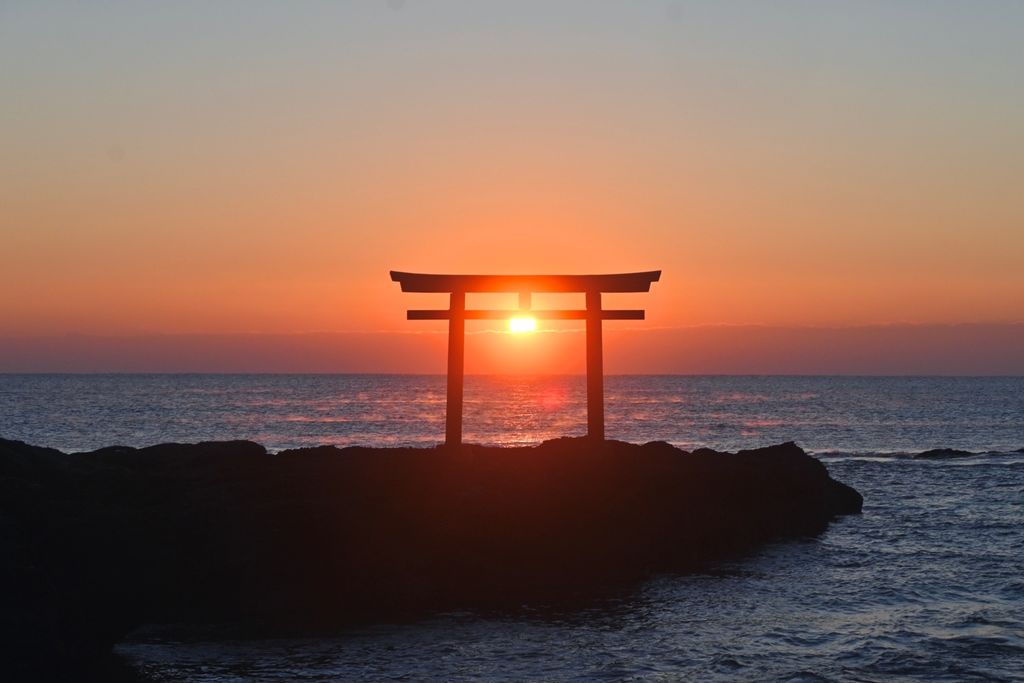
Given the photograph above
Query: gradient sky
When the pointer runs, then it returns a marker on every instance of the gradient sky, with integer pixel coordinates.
(197, 168)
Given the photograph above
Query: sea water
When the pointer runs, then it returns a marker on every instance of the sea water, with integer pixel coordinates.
(926, 585)
(838, 415)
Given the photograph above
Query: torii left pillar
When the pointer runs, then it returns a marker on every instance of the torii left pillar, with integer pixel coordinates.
(456, 368)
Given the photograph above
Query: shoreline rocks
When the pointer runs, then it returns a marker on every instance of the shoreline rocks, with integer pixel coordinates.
(96, 544)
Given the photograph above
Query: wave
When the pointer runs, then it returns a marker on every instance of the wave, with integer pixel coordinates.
(930, 454)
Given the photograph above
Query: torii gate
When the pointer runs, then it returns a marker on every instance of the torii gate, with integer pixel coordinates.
(456, 315)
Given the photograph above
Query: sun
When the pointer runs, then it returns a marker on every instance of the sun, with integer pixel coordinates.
(522, 324)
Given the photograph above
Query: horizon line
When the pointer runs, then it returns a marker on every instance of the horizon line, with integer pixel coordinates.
(397, 331)
(527, 375)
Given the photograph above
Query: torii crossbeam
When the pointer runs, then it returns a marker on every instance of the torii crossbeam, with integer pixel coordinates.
(591, 285)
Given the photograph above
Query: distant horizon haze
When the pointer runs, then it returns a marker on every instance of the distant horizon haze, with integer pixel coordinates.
(968, 349)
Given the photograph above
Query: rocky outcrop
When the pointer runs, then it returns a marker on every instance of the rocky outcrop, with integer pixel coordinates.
(96, 544)
(943, 454)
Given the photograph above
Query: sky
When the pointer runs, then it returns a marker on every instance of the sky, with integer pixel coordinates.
(225, 186)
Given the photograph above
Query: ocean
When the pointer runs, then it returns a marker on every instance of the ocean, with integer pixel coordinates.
(926, 585)
(825, 415)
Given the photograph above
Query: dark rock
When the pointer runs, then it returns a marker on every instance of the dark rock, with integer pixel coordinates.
(942, 454)
(96, 544)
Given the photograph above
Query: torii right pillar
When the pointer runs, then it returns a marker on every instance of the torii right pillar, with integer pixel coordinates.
(595, 368)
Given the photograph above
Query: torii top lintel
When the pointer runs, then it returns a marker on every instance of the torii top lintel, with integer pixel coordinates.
(613, 283)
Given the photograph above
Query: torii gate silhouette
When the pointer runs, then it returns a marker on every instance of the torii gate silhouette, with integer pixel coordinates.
(591, 285)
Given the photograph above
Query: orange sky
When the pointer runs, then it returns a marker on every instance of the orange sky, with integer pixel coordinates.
(255, 168)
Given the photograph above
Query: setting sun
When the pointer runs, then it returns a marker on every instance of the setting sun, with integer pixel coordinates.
(522, 324)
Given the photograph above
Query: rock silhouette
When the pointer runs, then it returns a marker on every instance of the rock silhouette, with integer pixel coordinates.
(96, 544)
(943, 454)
